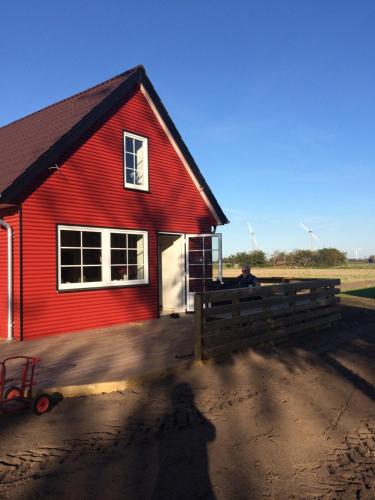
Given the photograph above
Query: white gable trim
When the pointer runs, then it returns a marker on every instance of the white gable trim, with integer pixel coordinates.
(179, 153)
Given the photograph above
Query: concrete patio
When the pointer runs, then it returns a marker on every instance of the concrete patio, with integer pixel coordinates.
(109, 358)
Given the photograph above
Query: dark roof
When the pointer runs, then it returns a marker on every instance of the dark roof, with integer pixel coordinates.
(24, 141)
(30, 145)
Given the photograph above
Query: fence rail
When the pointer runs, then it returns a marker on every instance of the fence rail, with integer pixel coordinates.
(228, 320)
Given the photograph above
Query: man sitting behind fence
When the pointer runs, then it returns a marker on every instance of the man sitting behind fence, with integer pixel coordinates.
(246, 278)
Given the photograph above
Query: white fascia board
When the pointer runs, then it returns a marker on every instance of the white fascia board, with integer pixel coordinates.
(179, 153)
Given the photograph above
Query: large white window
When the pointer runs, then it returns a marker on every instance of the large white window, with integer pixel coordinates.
(90, 257)
(135, 161)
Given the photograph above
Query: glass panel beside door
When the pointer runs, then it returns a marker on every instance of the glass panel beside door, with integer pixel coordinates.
(203, 264)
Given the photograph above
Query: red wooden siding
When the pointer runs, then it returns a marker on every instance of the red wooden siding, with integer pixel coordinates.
(88, 190)
(11, 218)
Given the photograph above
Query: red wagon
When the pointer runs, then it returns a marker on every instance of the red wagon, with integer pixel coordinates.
(16, 392)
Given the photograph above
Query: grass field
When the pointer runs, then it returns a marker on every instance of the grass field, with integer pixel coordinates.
(351, 277)
(367, 293)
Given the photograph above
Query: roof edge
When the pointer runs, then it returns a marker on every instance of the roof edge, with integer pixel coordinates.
(131, 70)
(37, 172)
(184, 149)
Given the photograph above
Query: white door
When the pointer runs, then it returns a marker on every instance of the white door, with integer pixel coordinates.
(172, 272)
(203, 264)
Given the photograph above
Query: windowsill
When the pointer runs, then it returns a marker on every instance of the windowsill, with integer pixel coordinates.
(132, 187)
(107, 287)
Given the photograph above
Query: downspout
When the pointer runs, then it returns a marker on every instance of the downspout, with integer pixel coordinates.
(10, 278)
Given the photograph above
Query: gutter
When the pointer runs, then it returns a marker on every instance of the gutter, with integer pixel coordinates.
(10, 278)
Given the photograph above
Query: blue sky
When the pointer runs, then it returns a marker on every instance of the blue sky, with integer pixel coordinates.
(275, 99)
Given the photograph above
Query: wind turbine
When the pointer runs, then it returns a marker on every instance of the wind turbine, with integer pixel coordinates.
(253, 239)
(311, 234)
(356, 252)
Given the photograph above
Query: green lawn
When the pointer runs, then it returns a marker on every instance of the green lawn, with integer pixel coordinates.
(368, 293)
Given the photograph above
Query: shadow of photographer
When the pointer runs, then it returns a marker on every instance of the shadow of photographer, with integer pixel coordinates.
(182, 450)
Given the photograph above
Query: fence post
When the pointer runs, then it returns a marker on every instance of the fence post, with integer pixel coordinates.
(236, 301)
(292, 304)
(198, 327)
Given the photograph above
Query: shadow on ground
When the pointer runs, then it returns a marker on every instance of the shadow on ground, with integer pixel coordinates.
(154, 442)
(347, 348)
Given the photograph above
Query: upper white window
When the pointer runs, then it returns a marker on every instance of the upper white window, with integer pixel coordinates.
(95, 257)
(135, 161)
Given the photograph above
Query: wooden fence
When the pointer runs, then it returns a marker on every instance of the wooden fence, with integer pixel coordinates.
(229, 320)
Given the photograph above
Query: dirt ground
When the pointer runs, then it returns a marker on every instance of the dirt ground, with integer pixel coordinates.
(296, 420)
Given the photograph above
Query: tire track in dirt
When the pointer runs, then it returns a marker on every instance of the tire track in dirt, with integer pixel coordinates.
(351, 469)
(44, 461)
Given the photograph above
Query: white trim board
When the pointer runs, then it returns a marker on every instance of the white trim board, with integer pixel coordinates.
(180, 154)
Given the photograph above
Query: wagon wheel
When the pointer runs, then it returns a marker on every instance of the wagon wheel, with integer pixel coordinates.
(12, 393)
(42, 404)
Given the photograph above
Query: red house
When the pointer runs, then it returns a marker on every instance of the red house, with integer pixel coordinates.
(105, 217)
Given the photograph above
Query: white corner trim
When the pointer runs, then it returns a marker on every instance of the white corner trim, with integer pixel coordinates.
(10, 277)
(179, 153)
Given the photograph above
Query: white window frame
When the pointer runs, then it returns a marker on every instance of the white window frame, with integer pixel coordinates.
(144, 140)
(106, 259)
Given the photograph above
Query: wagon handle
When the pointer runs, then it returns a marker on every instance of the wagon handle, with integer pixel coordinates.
(27, 378)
